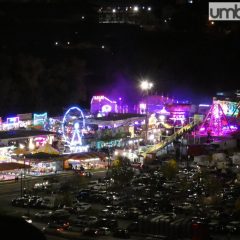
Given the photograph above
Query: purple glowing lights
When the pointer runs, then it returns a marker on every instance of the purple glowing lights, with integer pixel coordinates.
(215, 122)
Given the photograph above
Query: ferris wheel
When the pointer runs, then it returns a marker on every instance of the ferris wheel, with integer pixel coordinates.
(72, 127)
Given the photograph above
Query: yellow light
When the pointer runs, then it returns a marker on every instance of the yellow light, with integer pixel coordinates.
(21, 146)
(31, 145)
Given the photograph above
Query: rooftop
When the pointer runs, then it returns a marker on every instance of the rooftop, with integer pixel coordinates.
(117, 116)
(23, 133)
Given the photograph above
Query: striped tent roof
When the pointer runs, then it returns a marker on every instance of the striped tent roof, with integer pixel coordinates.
(47, 148)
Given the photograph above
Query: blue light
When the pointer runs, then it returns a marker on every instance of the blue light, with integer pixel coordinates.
(12, 120)
(76, 126)
(74, 139)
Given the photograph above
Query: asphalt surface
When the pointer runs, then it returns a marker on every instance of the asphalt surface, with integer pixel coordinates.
(11, 190)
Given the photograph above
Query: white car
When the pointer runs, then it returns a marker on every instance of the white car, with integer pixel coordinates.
(43, 214)
(82, 207)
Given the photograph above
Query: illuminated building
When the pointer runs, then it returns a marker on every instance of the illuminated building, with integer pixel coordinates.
(179, 113)
(155, 104)
(168, 108)
(27, 138)
(102, 105)
(12, 122)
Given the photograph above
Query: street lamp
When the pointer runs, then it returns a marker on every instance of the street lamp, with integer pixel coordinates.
(22, 184)
(146, 86)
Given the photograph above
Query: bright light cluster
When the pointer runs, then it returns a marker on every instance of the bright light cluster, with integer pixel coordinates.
(72, 129)
(145, 85)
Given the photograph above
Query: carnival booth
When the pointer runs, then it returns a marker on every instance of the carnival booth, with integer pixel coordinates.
(12, 170)
(88, 160)
(45, 160)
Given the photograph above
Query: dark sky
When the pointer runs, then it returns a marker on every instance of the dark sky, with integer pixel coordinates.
(188, 58)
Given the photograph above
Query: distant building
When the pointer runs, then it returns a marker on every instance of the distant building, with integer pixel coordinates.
(28, 139)
(101, 105)
(155, 104)
(227, 95)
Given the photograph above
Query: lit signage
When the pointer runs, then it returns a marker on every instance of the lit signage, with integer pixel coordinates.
(204, 105)
(39, 119)
(99, 98)
(106, 108)
(13, 120)
(229, 108)
(142, 106)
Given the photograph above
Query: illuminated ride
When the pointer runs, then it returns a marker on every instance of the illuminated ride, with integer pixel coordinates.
(236, 111)
(216, 122)
(159, 146)
(73, 125)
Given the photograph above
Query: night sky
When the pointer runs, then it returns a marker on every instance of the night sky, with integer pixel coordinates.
(187, 58)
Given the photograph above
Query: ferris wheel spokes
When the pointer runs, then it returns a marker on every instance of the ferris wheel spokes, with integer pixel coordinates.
(72, 126)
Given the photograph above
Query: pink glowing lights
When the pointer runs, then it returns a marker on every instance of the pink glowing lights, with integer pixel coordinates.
(215, 122)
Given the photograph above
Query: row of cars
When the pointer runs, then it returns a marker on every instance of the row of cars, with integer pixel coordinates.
(152, 204)
(64, 212)
(29, 201)
(72, 221)
(82, 225)
(178, 205)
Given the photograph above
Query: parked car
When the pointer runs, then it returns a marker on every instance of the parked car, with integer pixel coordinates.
(104, 231)
(82, 207)
(233, 227)
(121, 233)
(43, 214)
(91, 232)
(59, 224)
(61, 214)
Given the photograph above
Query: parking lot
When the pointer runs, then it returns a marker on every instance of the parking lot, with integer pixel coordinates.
(150, 206)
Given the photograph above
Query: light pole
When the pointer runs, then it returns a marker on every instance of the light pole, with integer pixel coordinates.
(146, 86)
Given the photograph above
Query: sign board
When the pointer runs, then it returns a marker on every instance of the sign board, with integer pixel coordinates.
(25, 116)
(12, 120)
